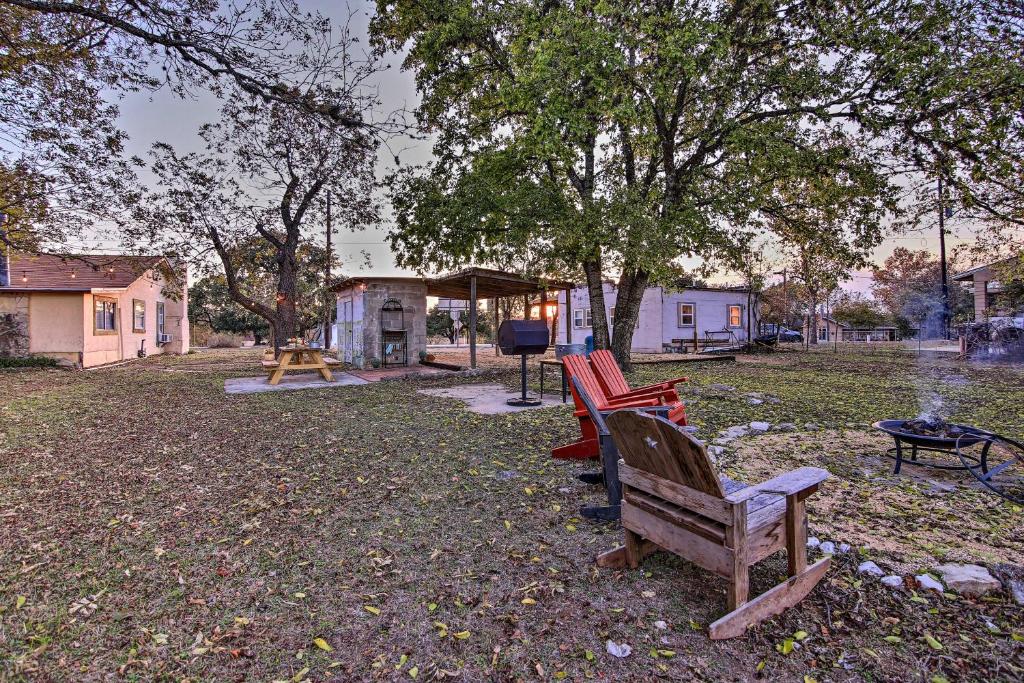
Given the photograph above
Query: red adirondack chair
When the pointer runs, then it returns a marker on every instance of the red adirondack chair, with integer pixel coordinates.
(611, 379)
(588, 445)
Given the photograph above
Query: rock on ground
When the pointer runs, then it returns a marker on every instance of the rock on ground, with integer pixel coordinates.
(870, 568)
(892, 581)
(968, 579)
(813, 542)
(828, 547)
(1017, 590)
(758, 427)
(929, 583)
(722, 387)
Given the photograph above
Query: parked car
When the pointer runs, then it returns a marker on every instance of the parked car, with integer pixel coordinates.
(783, 334)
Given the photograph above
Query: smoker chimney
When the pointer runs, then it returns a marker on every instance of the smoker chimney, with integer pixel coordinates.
(5, 255)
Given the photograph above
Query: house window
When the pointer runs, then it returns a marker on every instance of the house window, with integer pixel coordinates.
(159, 318)
(105, 320)
(735, 316)
(687, 314)
(138, 315)
(582, 317)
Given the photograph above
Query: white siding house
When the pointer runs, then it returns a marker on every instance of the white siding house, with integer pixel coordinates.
(668, 318)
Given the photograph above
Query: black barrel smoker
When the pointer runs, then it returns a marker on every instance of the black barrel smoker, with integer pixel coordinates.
(523, 338)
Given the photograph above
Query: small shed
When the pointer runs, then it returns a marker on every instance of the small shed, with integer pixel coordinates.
(382, 318)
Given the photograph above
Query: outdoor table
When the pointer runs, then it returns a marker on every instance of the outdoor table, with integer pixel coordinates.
(298, 358)
(565, 386)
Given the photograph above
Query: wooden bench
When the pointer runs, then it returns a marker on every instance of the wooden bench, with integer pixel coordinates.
(270, 364)
(331, 361)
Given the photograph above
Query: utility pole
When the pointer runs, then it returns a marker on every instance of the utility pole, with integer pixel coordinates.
(327, 279)
(942, 262)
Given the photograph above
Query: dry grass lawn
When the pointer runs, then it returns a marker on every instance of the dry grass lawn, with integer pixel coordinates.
(153, 528)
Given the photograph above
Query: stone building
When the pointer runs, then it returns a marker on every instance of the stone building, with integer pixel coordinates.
(367, 334)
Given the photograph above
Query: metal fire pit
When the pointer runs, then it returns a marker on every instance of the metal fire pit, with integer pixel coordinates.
(971, 436)
(1005, 453)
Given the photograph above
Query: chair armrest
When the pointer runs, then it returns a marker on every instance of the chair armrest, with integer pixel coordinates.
(656, 409)
(659, 388)
(639, 405)
(668, 384)
(637, 402)
(801, 482)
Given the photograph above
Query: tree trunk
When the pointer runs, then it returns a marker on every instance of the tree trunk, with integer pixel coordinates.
(812, 326)
(595, 288)
(632, 285)
(285, 317)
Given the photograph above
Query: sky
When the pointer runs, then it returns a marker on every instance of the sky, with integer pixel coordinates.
(165, 117)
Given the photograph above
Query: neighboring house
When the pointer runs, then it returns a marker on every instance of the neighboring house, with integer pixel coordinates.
(986, 287)
(89, 309)
(669, 318)
(833, 330)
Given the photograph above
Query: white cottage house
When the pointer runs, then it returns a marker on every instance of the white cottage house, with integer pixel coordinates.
(670, 318)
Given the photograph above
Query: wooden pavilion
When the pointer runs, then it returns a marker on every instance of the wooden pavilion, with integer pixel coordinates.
(473, 284)
(362, 299)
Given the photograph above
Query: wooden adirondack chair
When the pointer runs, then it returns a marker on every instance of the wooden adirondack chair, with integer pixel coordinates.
(614, 383)
(588, 446)
(673, 499)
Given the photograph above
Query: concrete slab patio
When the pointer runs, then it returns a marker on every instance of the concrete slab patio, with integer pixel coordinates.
(290, 382)
(489, 399)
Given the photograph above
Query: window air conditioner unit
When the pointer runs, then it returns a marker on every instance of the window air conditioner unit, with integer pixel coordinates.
(164, 338)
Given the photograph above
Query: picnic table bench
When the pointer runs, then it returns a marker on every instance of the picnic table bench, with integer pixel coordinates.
(298, 359)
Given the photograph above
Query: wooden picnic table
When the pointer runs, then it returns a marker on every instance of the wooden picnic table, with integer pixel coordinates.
(299, 358)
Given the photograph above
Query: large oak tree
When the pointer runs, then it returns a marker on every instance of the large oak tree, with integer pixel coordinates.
(655, 129)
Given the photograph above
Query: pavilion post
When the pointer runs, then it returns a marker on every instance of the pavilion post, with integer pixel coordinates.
(544, 305)
(526, 307)
(472, 321)
(568, 318)
(494, 335)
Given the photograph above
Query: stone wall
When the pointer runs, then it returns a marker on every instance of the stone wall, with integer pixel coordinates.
(14, 339)
(413, 297)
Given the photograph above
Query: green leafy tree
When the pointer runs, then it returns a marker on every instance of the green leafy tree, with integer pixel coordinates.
(618, 137)
(856, 310)
(210, 304)
(440, 323)
(909, 287)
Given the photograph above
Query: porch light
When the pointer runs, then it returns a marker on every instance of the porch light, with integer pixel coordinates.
(24, 276)
(73, 274)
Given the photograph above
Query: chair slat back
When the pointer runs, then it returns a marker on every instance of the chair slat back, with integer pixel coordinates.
(656, 445)
(577, 367)
(595, 415)
(608, 373)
